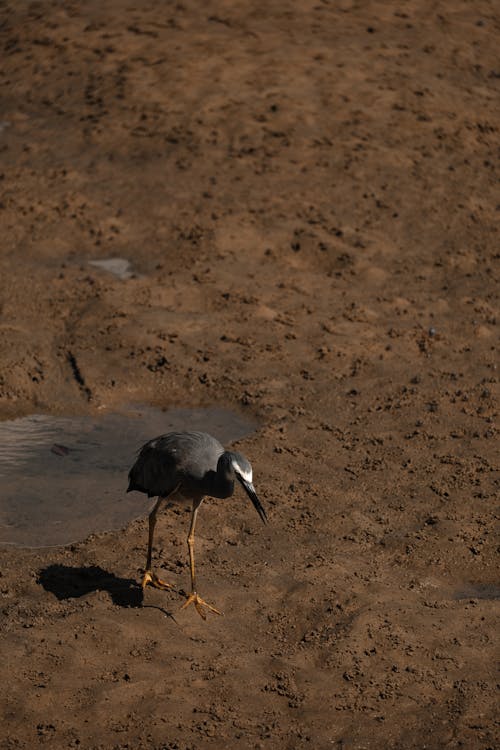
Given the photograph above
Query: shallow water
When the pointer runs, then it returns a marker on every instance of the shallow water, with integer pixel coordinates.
(63, 478)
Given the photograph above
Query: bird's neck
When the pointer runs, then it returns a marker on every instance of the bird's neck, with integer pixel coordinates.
(223, 478)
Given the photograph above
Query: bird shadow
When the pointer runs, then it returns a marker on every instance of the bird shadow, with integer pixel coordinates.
(67, 582)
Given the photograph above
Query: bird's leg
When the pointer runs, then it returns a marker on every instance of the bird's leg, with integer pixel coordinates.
(149, 576)
(193, 597)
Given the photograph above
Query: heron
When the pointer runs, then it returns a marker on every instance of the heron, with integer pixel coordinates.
(188, 466)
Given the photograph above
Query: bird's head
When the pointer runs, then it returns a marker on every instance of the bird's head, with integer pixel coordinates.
(243, 471)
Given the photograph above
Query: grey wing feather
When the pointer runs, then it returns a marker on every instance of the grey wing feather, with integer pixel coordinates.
(153, 473)
(177, 457)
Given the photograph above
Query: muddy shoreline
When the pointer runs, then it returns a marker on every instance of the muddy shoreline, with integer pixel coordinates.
(306, 194)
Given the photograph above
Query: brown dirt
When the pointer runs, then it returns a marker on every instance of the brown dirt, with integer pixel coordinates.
(307, 193)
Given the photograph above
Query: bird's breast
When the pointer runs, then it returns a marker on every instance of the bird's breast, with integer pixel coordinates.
(212, 485)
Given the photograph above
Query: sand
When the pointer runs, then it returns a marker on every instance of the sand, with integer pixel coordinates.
(307, 197)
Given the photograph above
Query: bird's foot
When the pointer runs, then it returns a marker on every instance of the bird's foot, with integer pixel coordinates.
(199, 603)
(153, 580)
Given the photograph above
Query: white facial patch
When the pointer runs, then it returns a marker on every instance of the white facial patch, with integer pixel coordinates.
(246, 475)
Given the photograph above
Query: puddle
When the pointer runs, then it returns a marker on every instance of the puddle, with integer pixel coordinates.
(117, 266)
(477, 591)
(65, 478)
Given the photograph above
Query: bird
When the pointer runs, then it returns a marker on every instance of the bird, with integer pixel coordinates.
(188, 466)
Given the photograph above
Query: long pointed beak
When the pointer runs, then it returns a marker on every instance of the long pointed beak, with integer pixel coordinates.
(249, 489)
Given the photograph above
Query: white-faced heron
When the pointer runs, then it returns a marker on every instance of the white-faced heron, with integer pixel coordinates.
(188, 466)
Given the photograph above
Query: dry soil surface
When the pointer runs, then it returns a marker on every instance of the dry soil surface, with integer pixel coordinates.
(308, 196)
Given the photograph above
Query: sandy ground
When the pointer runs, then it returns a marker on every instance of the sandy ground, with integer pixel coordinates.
(307, 194)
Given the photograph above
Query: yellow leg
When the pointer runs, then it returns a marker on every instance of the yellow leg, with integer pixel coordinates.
(193, 597)
(149, 576)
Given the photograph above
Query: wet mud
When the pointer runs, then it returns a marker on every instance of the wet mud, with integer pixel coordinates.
(306, 194)
(63, 478)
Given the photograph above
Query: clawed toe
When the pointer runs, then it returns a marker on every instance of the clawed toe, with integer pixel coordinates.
(199, 603)
(153, 580)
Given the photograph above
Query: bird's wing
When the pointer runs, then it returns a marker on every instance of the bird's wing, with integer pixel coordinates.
(177, 457)
(153, 473)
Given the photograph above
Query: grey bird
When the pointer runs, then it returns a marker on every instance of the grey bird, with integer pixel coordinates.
(188, 466)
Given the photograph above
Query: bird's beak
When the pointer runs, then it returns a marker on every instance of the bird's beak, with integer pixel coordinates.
(249, 489)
